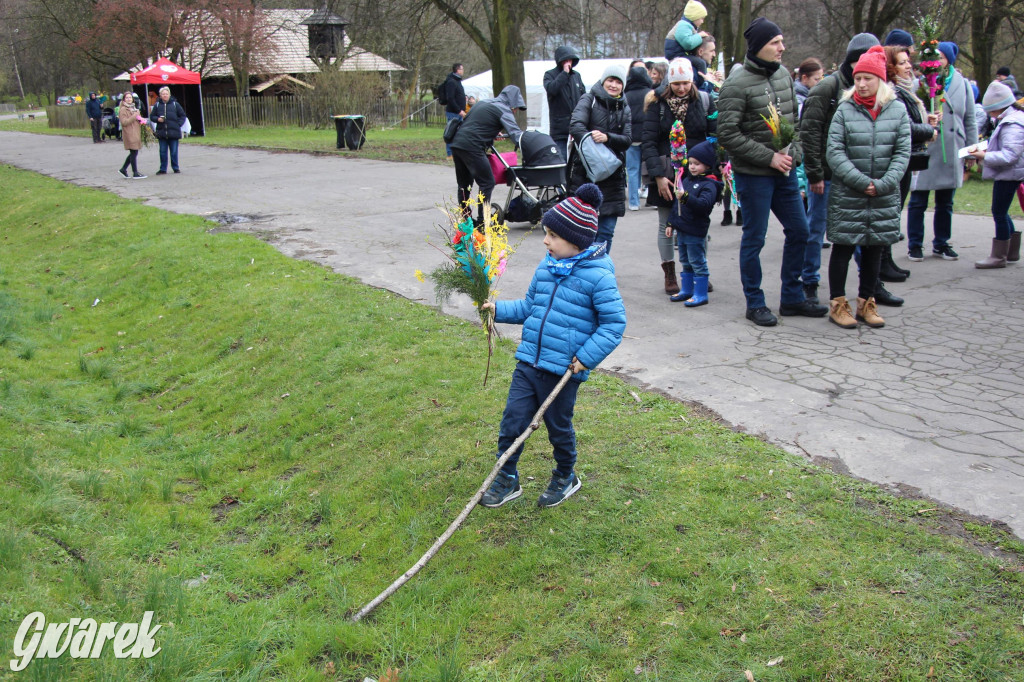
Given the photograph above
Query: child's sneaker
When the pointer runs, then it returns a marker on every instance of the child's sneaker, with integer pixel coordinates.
(559, 490)
(504, 489)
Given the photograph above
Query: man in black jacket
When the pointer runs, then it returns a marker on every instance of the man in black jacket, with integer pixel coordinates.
(638, 84)
(95, 114)
(476, 135)
(564, 87)
(455, 98)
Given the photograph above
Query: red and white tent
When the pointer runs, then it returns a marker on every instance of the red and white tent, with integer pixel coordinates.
(165, 72)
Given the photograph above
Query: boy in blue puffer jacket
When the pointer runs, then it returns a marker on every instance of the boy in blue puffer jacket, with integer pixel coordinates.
(572, 317)
(690, 220)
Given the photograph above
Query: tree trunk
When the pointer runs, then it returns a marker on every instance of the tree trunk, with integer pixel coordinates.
(986, 17)
(506, 49)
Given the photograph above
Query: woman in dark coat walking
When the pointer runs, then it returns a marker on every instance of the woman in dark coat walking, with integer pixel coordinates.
(637, 86)
(663, 107)
(603, 111)
(868, 151)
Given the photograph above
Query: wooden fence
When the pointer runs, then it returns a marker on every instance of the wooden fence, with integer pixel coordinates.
(233, 112)
(7, 108)
(67, 118)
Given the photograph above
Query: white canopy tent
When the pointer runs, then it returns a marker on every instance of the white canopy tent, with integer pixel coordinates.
(590, 70)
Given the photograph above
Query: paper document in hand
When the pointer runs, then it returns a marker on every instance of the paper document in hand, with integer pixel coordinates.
(966, 151)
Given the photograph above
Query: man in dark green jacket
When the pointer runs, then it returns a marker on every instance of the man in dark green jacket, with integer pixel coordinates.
(763, 176)
(819, 108)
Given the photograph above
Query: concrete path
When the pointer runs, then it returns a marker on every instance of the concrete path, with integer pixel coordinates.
(932, 404)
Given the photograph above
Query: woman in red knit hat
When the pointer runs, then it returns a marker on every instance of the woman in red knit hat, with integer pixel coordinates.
(868, 151)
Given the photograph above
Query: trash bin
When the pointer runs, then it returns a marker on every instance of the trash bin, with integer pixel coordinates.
(351, 131)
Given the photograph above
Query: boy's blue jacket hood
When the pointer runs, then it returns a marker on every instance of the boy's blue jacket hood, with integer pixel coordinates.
(580, 314)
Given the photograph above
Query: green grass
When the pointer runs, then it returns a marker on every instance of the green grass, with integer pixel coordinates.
(301, 439)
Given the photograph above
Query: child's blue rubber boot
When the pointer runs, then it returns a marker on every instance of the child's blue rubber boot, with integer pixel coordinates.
(685, 287)
(700, 293)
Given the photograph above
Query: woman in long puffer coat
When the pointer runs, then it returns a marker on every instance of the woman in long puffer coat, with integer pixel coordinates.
(868, 151)
(604, 112)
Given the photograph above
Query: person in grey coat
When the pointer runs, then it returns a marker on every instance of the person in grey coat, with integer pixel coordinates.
(945, 172)
(868, 151)
(476, 134)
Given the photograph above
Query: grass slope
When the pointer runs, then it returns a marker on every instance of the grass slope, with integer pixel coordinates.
(254, 447)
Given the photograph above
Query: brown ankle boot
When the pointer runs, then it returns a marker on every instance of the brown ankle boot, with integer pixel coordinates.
(997, 259)
(867, 312)
(1013, 254)
(839, 313)
(671, 283)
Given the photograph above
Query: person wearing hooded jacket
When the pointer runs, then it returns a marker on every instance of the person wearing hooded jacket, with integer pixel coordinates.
(763, 174)
(476, 134)
(816, 116)
(95, 114)
(638, 84)
(564, 87)
(604, 112)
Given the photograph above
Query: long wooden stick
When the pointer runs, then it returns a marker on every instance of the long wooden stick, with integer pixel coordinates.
(405, 577)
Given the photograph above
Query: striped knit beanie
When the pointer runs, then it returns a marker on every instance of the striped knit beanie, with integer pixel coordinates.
(575, 219)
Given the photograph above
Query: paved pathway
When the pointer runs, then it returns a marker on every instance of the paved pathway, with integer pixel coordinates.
(933, 403)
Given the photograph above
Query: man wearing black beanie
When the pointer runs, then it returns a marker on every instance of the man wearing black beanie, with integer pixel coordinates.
(763, 174)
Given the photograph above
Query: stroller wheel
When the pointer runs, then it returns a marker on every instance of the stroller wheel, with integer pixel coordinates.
(498, 212)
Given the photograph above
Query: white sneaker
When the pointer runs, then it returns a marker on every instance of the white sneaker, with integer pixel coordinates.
(634, 208)
(643, 192)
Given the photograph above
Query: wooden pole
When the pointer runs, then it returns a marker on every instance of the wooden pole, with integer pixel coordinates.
(405, 577)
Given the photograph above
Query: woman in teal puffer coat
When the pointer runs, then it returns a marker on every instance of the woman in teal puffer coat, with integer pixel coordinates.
(868, 151)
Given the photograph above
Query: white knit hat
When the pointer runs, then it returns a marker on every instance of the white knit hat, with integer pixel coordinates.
(680, 71)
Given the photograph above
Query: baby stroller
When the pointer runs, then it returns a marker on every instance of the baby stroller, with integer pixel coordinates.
(542, 171)
(111, 126)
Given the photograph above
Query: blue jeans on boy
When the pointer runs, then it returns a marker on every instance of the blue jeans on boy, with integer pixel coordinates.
(943, 223)
(778, 194)
(1003, 194)
(817, 212)
(693, 254)
(447, 117)
(634, 156)
(606, 230)
(529, 388)
(172, 147)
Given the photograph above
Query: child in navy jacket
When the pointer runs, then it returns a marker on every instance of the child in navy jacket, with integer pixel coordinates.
(572, 316)
(690, 220)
